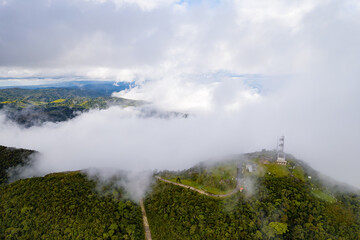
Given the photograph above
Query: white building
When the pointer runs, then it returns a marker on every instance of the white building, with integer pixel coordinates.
(281, 161)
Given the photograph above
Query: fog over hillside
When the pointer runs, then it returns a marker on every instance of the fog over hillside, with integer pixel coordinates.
(245, 73)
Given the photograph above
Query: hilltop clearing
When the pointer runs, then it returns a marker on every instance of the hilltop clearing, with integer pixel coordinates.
(277, 202)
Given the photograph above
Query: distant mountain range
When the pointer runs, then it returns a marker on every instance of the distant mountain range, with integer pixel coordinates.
(34, 106)
(104, 88)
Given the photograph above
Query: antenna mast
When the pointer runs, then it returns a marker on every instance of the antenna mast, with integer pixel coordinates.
(280, 151)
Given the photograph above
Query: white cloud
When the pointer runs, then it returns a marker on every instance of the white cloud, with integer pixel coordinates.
(174, 95)
(268, 37)
(144, 5)
(308, 51)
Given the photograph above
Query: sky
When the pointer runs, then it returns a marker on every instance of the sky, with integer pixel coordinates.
(246, 71)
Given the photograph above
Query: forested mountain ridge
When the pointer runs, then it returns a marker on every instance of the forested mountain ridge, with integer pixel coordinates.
(63, 205)
(79, 88)
(12, 157)
(66, 206)
(273, 202)
(281, 209)
(45, 95)
(277, 202)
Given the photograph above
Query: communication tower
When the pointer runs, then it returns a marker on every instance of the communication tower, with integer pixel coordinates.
(280, 152)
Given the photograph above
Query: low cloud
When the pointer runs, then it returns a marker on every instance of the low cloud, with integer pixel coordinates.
(135, 183)
(188, 57)
(130, 140)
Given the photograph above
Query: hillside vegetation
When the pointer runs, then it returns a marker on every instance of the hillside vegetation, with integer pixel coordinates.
(30, 107)
(66, 206)
(281, 208)
(278, 202)
(10, 158)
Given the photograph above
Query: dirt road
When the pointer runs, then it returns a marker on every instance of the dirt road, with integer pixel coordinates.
(198, 190)
(146, 223)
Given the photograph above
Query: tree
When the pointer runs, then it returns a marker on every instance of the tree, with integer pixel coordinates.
(298, 232)
(275, 228)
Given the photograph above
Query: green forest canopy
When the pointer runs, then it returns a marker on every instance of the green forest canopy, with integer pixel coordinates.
(68, 206)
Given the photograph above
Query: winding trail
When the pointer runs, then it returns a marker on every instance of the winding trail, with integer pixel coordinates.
(145, 220)
(237, 189)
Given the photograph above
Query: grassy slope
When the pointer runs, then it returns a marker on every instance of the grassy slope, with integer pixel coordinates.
(208, 189)
(220, 178)
(277, 170)
(216, 179)
(323, 196)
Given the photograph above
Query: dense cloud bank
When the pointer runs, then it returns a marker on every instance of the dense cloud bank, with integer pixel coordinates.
(125, 139)
(188, 56)
(148, 39)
